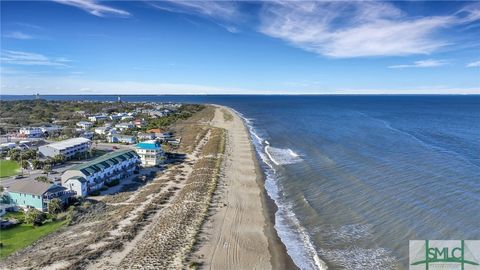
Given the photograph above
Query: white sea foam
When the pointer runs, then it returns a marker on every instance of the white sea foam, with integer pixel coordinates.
(281, 156)
(295, 237)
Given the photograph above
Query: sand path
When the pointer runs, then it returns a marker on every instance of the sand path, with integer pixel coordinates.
(236, 237)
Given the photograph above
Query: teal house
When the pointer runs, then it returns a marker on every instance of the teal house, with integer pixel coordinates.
(35, 194)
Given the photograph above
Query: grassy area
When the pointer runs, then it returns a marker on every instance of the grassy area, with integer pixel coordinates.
(23, 235)
(226, 115)
(8, 168)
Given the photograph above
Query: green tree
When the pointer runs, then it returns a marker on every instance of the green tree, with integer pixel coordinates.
(47, 168)
(25, 164)
(14, 154)
(54, 206)
(42, 178)
(37, 164)
(34, 217)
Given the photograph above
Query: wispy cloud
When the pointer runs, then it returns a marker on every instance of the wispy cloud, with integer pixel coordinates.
(224, 13)
(95, 8)
(340, 29)
(474, 64)
(31, 59)
(422, 64)
(352, 29)
(18, 35)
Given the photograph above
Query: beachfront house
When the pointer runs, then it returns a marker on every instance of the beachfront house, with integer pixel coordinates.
(35, 194)
(150, 152)
(120, 138)
(67, 148)
(91, 176)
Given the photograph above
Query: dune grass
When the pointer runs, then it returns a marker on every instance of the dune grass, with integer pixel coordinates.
(8, 168)
(23, 235)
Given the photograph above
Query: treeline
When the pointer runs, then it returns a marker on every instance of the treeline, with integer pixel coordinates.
(38, 112)
(185, 112)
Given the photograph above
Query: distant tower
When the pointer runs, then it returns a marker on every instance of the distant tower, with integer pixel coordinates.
(37, 96)
(119, 99)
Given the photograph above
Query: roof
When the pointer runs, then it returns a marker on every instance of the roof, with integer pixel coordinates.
(79, 178)
(150, 145)
(69, 143)
(104, 161)
(154, 130)
(30, 187)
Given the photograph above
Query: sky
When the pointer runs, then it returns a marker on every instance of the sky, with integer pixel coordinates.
(240, 47)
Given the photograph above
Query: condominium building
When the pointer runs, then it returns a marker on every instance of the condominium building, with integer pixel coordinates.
(92, 175)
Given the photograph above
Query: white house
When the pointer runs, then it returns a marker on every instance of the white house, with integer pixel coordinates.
(96, 118)
(150, 152)
(124, 126)
(102, 130)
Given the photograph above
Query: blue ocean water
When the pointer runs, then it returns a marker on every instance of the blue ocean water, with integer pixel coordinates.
(356, 177)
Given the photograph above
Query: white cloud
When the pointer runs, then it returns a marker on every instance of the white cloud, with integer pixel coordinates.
(340, 29)
(474, 64)
(18, 35)
(422, 64)
(352, 29)
(94, 8)
(215, 9)
(31, 59)
(223, 13)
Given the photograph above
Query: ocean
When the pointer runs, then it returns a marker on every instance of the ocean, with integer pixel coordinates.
(356, 177)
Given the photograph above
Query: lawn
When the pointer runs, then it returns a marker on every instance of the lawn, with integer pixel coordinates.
(8, 168)
(23, 235)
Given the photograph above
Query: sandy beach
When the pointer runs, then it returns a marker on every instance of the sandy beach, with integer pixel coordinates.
(240, 235)
(207, 209)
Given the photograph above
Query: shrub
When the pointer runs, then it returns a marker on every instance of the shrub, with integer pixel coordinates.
(34, 217)
(54, 206)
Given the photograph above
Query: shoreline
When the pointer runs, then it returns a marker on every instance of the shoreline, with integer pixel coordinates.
(240, 231)
(278, 251)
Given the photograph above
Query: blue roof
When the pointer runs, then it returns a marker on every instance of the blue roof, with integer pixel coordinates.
(148, 145)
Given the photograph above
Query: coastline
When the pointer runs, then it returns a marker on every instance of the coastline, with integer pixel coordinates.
(239, 232)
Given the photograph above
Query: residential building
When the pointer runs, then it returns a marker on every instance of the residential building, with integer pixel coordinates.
(31, 132)
(102, 130)
(120, 138)
(35, 194)
(84, 125)
(51, 129)
(124, 126)
(155, 131)
(150, 152)
(87, 135)
(139, 123)
(127, 117)
(91, 176)
(146, 136)
(97, 118)
(67, 148)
